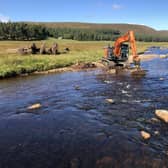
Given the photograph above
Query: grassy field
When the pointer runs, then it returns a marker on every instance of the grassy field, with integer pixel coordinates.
(13, 64)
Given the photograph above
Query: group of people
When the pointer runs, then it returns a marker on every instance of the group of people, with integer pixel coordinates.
(44, 50)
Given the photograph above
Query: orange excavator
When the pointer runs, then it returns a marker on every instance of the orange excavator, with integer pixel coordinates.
(119, 54)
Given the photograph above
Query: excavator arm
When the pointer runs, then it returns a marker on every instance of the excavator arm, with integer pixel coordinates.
(128, 37)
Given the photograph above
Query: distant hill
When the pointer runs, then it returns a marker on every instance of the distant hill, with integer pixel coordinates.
(163, 32)
(123, 28)
(77, 31)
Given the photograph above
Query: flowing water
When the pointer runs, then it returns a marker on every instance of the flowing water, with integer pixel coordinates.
(156, 50)
(76, 127)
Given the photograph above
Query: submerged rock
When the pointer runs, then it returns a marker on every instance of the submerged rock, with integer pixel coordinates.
(110, 100)
(161, 79)
(163, 56)
(156, 133)
(34, 106)
(155, 120)
(108, 82)
(106, 161)
(77, 87)
(145, 135)
(162, 114)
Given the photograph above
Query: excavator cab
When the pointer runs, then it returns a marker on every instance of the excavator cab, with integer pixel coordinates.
(118, 60)
(124, 53)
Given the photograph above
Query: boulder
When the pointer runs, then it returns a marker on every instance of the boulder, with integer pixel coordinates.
(145, 135)
(110, 100)
(155, 120)
(161, 78)
(77, 87)
(34, 106)
(156, 133)
(162, 114)
(163, 56)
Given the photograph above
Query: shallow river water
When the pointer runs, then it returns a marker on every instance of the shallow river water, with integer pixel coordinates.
(76, 127)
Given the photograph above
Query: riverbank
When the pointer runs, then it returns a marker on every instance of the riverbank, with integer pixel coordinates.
(12, 64)
(71, 66)
(89, 66)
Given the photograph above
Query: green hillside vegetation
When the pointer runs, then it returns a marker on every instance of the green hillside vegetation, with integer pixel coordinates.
(77, 31)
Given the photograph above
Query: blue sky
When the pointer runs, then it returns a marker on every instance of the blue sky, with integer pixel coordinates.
(153, 13)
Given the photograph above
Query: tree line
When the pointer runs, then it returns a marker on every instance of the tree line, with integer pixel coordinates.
(27, 31)
(84, 34)
(22, 31)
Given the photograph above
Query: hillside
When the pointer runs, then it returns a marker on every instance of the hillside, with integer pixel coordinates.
(77, 31)
(139, 29)
(163, 32)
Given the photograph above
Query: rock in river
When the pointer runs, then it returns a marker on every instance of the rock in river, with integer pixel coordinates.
(163, 56)
(110, 100)
(145, 135)
(34, 106)
(162, 114)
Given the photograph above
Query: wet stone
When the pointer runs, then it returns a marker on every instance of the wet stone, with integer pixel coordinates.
(156, 133)
(155, 120)
(106, 161)
(110, 100)
(145, 135)
(161, 79)
(141, 120)
(34, 106)
(77, 87)
(162, 114)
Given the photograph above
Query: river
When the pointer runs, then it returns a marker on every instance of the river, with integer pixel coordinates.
(76, 127)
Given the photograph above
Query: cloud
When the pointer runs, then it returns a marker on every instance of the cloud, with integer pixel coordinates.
(4, 18)
(116, 6)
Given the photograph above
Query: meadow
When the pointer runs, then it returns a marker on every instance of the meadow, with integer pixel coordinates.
(13, 64)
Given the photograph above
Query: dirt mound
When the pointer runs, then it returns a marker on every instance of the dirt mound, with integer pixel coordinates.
(84, 65)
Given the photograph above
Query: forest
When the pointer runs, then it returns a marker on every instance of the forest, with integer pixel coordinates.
(22, 31)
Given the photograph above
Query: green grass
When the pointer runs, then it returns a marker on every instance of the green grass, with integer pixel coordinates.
(13, 64)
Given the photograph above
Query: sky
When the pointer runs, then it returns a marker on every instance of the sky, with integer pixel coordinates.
(153, 13)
